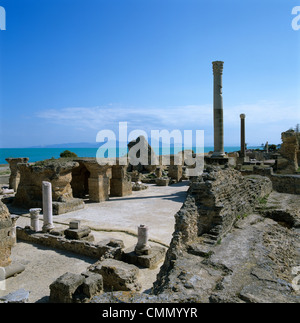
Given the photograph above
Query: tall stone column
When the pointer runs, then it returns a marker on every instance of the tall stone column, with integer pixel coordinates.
(47, 206)
(218, 110)
(243, 143)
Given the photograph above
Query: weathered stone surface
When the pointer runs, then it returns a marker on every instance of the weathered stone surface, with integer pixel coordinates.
(281, 183)
(92, 285)
(103, 249)
(198, 259)
(79, 233)
(64, 288)
(138, 186)
(58, 173)
(175, 172)
(117, 275)
(289, 150)
(215, 201)
(254, 259)
(13, 269)
(19, 296)
(75, 288)
(150, 160)
(14, 178)
(120, 183)
(6, 238)
(147, 261)
(162, 181)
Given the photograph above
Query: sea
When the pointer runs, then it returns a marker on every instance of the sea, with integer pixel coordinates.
(37, 154)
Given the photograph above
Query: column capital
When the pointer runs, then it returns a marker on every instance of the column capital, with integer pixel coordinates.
(218, 67)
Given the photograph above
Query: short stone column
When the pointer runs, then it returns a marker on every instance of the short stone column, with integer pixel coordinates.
(34, 219)
(218, 110)
(47, 206)
(142, 247)
(14, 219)
(243, 143)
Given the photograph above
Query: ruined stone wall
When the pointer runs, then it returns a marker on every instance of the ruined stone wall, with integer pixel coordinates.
(215, 200)
(29, 193)
(6, 240)
(14, 178)
(289, 184)
(214, 203)
(290, 147)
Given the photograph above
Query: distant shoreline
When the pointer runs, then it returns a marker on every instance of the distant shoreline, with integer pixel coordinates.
(38, 154)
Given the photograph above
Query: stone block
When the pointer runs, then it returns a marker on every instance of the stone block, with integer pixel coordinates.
(138, 186)
(64, 288)
(151, 260)
(120, 187)
(77, 234)
(175, 172)
(75, 288)
(117, 275)
(162, 181)
(92, 285)
(74, 224)
(69, 205)
(99, 189)
(18, 296)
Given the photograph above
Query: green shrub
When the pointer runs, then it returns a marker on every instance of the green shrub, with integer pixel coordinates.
(67, 153)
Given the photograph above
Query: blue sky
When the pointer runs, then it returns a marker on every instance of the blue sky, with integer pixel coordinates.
(70, 68)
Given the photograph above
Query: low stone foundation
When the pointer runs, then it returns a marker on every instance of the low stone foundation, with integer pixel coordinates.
(107, 248)
(289, 184)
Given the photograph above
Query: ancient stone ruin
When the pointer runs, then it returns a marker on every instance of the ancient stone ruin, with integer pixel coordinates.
(222, 251)
(72, 182)
(6, 239)
(59, 174)
(288, 160)
(14, 178)
(235, 239)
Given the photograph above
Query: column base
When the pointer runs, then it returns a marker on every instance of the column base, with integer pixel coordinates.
(218, 154)
(47, 227)
(211, 160)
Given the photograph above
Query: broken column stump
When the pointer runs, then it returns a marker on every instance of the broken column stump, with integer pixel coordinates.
(142, 254)
(75, 288)
(77, 232)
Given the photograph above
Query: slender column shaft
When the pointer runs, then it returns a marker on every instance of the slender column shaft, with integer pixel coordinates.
(218, 110)
(243, 141)
(47, 207)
